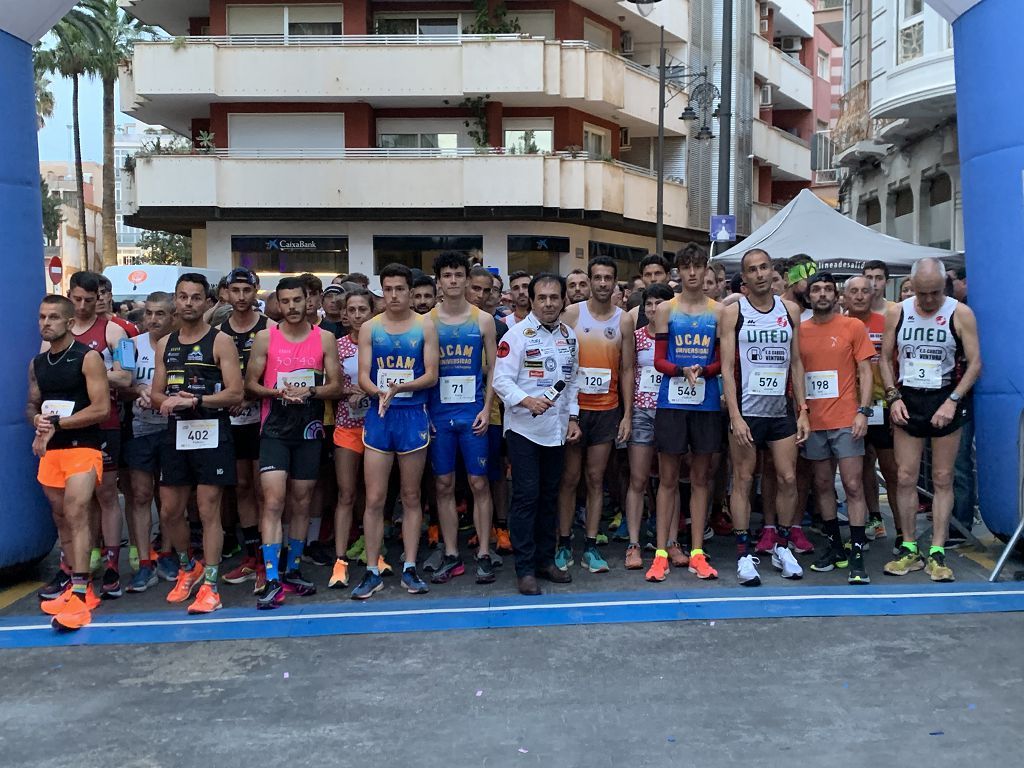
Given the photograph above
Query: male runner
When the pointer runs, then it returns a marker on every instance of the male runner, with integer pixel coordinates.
(243, 325)
(653, 269)
(105, 307)
(197, 380)
(293, 368)
(142, 451)
(607, 351)
(877, 274)
(760, 353)
(68, 397)
(836, 353)
(935, 339)
(460, 411)
(424, 294)
(577, 286)
(688, 418)
(518, 285)
(398, 361)
(798, 270)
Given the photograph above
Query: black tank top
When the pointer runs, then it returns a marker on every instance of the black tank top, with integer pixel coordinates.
(192, 368)
(60, 377)
(244, 339)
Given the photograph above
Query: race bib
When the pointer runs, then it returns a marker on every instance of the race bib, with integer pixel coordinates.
(251, 415)
(197, 434)
(822, 385)
(359, 410)
(682, 392)
(303, 378)
(62, 408)
(767, 381)
(878, 417)
(922, 374)
(388, 377)
(650, 380)
(458, 389)
(595, 381)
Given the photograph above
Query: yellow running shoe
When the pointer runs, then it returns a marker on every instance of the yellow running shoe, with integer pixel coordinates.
(937, 568)
(904, 563)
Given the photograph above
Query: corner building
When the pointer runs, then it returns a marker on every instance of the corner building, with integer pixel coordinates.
(332, 137)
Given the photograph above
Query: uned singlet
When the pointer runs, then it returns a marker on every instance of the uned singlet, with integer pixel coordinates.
(295, 363)
(397, 357)
(64, 392)
(193, 368)
(243, 343)
(691, 341)
(600, 350)
(929, 351)
(95, 338)
(460, 389)
(764, 343)
(145, 421)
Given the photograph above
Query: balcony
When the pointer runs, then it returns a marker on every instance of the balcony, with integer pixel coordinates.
(792, 84)
(794, 17)
(171, 82)
(828, 17)
(922, 90)
(390, 183)
(789, 157)
(761, 213)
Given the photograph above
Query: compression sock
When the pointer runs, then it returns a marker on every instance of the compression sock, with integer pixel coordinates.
(742, 536)
(858, 538)
(831, 530)
(271, 559)
(210, 576)
(295, 547)
(111, 557)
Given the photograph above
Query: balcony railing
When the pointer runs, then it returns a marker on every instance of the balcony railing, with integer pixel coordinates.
(823, 159)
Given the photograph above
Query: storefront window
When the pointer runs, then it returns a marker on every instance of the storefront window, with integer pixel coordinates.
(536, 253)
(626, 258)
(291, 254)
(419, 251)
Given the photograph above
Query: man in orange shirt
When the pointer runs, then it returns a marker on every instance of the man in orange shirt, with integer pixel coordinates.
(836, 353)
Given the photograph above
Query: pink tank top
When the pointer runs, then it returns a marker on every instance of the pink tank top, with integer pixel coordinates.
(305, 359)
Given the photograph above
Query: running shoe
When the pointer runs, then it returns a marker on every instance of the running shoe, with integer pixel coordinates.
(496, 560)
(783, 560)
(261, 578)
(504, 542)
(318, 553)
(563, 558)
(74, 614)
(434, 560)
(433, 536)
(55, 606)
(371, 582)
(676, 556)
(799, 541)
(412, 582)
(271, 596)
(357, 551)
(167, 567)
(383, 567)
(904, 563)
(207, 601)
(143, 579)
(58, 584)
(601, 539)
(897, 545)
(621, 533)
(593, 561)
(133, 558)
(709, 533)
(339, 576)
(830, 561)
(659, 569)
(721, 522)
(746, 571)
(451, 567)
(877, 527)
(858, 573)
(634, 559)
(186, 582)
(484, 570)
(614, 523)
(110, 588)
(769, 538)
(937, 569)
(295, 583)
(700, 566)
(243, 572)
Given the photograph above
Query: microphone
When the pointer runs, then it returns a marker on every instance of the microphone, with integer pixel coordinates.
(552, 393)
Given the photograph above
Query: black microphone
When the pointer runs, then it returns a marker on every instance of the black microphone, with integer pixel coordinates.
(552, 393)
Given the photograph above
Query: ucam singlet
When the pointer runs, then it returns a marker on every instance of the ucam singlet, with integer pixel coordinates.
(763, 347)
(460, 389)
(397, 357)
(928, 349)
(691, 341)
(600, 351)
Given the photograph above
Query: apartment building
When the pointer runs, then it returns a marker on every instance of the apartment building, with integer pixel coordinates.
(130, 139)
(60, 179)
(333, 137)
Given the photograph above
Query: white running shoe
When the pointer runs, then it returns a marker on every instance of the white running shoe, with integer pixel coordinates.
(746, 571)
(783, 560)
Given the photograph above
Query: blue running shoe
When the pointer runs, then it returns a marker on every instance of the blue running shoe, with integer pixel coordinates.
(413, 584)
(372, 582)
(563, 558)
(622, 532)
(167, 568)
(143, 579)
(593, 561)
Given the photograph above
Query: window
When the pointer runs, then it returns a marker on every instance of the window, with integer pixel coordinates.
(596, 142)
(441, 141)
(536, 253)
(912, 7)
(528, 142)
(910, 31)
(418, 25)
(823, 68)
(419, 251)
(298, 20)
(300, 28)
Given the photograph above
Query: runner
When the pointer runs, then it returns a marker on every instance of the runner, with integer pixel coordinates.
(460, 410)
(398, 361)
(877, 274)
(935, 340)
(518, 284)
(197, 380)
(606, 349)
(653, 270)
(244, 323)
(688, 419)
(836, 354)
(142, 451)
(68, 397)
(798, 270)
(759, 335)
(293, 369)
(577, 286)
(424, 294)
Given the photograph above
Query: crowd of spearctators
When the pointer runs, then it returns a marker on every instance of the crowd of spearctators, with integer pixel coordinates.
(677, 398)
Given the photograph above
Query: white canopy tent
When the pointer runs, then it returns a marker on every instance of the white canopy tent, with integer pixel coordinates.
(838, 244)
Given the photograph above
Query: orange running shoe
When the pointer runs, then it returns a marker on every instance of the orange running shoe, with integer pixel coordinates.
(504, 543)
(634, 560)
(187, 581)
(659, 569)
(700, 566)
(383, 567)
(55, 606)
(339, 576)
(433, 535)
(676, 555)
(74, 615)
(207, 601)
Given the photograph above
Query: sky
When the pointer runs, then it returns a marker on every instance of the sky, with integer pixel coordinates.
(55, 137)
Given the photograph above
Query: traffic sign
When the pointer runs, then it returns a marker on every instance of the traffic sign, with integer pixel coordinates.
(723, 228)
(55, 270)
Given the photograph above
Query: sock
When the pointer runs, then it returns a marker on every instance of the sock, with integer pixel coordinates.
(64, 563)
(784, 532)
(271, 559)
(79, 584)
(936, 550)
(295, 553)
(313, 534)
(770, 528)
(251, 539)
(857, 536)
(185, 561)
(911, 545)
(111, 557)
(695, 552)
(565, 541)
(374, 570)
(210, 576)
(742, 536)
(831, 530)
(661, 553)
(591, 543)
(407, 565)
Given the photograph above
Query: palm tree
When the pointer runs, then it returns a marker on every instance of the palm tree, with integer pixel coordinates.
(119, 33)
(44, 96)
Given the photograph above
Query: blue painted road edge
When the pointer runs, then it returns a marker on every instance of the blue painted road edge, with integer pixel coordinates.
(350, 618)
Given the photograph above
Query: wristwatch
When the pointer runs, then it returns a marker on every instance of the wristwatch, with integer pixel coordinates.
(55, 420)
(199, 401)
(312, 392)
(574, 419)
(954, 397)
(866, 411)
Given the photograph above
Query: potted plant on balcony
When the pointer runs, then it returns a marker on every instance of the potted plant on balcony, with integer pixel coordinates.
(490, 22)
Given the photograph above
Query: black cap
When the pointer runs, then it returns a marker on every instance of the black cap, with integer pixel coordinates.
(242, 275)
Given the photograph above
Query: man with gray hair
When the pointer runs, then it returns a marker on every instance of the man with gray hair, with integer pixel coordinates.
(934, 339)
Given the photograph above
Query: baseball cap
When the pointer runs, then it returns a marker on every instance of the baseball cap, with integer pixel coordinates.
(242, 275)
(333, 288)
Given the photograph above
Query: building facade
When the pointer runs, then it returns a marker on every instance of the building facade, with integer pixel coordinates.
(60, 180)
(129, 140)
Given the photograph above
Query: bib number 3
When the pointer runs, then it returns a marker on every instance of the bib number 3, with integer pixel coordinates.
(923, 374)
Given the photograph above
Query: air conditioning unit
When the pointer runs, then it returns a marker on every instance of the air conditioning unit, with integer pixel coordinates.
(626, 45)
(792, 44)
(764, 26)
(624, 138)
(766, 95)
